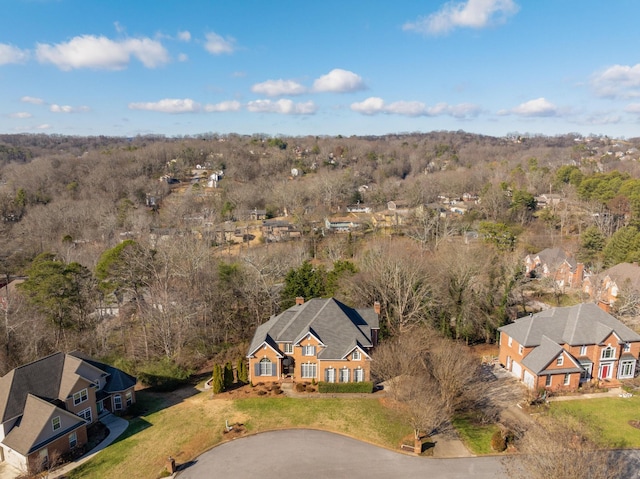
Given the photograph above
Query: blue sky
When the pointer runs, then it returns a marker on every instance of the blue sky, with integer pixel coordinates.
(290, 67)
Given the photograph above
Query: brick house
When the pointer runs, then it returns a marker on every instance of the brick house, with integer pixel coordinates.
(608, 286)
(46, 406)
(321, 340)
(557, 264)
(561, 348)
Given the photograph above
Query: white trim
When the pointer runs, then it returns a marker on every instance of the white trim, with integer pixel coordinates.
(308, 335)
(262, 344)
(362, 351)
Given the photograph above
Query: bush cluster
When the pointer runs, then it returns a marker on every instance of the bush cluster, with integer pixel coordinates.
(362, 387)
(163, 375)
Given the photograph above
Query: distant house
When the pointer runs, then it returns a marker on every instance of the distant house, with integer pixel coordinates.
(277, 230)
(561, 348)
(359, 208)
(557, 264)
(342, 225)
(46, 406)
(607, 286)
(321, 340)
(548, 200)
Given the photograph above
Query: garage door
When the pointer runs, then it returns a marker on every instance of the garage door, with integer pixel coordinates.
(516, 370)
(528, 379)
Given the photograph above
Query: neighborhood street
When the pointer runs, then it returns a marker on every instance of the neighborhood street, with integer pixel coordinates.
(319, 454)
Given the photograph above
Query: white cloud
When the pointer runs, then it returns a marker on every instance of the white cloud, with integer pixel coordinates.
(44, 126)
(339, 81)
(119, 28)
(278, 88)
(32, 100)
(11, 54)
(67, 109)
(182, 57)
(217, 45)
(20, 115)
(184, 36)
(283, 106)
(618, 81)
(633, 108)
(223, 106)
(537, 107)
(375, 105)
(168, 105)
(102, 53)
(469, 14)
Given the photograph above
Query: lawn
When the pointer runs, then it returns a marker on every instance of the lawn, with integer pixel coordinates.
(195, 424)
(607, 419)
(477, 437)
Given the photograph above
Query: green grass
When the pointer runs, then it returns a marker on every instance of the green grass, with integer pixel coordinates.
(607, 419)
(195, 424)
(477, 437)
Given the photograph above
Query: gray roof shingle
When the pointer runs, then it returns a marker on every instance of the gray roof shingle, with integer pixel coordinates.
(339, 327)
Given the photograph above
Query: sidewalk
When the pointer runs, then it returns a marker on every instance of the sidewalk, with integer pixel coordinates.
(116, 426)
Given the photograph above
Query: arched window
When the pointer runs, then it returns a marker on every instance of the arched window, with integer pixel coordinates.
(266, 367)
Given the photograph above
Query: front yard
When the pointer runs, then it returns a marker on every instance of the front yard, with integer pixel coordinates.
(197, 423)
(608, 419)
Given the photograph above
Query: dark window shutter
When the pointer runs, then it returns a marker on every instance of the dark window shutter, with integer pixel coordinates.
(274, 369)
(256, 369)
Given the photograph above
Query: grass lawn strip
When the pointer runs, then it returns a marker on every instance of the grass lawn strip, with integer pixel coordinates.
(475, 436)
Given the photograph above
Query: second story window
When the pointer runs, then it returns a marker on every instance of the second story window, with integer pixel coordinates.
(608, 353)
(55, 423)
(626, 347)
(308, 350)
(560, 360)
(520, 349)
(288, 348)
(356, 356)
(80, 397)
(583, 350)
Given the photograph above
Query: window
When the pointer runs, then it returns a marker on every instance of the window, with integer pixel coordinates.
(80, 397)
(627, 369)
(356, 356)
(560, 360)
(520, 349)
(344, 375)
(330, 375)
(567, 379)
(308, 370)
(608, 352)
(583, 350)
(548, 381)
(308, 350)
(265, 367)
(86, 414)
(358, 375)
(510, 341)
(128, 398)
(288, 348)
(117, 402)
(55, 423)
(73, 440)
(626, 347)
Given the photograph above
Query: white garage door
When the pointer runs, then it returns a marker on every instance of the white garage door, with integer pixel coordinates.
(516, 370)
(528, 379)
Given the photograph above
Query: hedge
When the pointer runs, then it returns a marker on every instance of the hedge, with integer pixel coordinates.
(362, 387)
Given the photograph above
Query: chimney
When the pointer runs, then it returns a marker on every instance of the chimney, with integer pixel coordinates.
(299, 300)
(376, 307)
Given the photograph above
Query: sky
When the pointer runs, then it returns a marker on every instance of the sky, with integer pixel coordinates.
(335, 67)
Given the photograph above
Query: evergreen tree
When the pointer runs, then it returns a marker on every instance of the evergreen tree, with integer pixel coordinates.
(217, 384)
(227, 379)
(623, 246)
(241, 368)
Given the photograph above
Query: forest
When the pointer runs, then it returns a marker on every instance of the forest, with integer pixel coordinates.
(113, 245)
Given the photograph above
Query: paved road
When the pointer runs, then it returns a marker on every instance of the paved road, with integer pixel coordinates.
(319, 454)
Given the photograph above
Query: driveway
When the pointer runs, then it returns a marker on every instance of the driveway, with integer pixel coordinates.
(320, 454)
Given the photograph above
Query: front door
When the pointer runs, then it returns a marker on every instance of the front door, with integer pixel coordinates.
(605, 371)
(100, 407)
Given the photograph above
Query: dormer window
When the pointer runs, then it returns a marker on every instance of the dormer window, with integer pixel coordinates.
(560, 360)
(356, 356)
(608, 353)
(55, 423)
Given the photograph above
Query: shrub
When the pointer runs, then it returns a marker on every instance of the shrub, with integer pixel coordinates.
(217, 382)
(163, 375)
(243, 372)
(262, 392)
(227, 376)
(301, 387)
(362, 387)
(498, 442)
